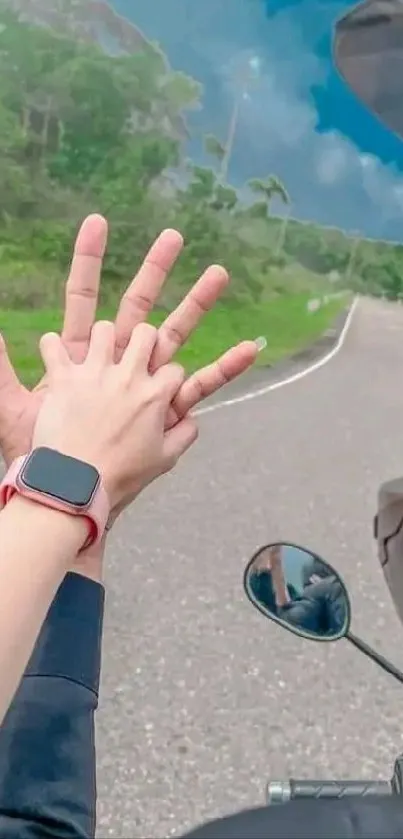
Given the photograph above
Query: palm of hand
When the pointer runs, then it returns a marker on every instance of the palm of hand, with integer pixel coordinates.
(20, 407)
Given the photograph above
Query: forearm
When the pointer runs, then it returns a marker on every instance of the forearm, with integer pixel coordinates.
(37, 546)
(279, 587)
(48, 732)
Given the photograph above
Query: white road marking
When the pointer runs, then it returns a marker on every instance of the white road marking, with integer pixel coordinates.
(226, 403)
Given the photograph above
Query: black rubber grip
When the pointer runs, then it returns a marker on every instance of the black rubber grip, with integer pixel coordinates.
(338, 789)
(279, 792)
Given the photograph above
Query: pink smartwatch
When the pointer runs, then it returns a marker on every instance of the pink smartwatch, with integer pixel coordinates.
(62, 483)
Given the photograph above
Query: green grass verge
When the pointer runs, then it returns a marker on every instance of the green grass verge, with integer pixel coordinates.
(284, 321)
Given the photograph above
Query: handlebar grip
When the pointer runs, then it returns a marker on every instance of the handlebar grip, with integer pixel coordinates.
(279, 792)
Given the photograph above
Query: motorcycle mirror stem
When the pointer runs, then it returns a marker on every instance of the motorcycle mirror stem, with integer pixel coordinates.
(379, 659)
(303, 593)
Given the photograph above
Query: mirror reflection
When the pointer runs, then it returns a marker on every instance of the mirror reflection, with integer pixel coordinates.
(300, 590)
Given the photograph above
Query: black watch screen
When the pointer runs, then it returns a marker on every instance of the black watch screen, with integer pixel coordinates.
(63, 477)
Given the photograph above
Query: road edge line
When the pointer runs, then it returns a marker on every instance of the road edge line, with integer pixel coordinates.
(296, 377)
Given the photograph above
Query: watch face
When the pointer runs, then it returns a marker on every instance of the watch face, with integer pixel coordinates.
(60, 476)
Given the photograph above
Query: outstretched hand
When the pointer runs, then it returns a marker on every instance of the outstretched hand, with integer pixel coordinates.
(19, 407)
(112, 414)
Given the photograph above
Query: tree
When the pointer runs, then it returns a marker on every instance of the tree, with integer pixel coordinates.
(268, 189)
(80, 128)
(214, 147)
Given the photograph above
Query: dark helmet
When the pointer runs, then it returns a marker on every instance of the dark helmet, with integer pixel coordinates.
(368, 53)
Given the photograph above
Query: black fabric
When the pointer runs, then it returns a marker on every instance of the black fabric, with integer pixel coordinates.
(47, 749)
(70, 642)
(348, 818)
(321, 608)
(261, 586)
(368, 52)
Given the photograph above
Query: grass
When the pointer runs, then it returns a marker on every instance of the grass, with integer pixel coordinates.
(284, 322)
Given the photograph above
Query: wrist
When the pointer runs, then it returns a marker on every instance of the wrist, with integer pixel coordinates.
(89, 563)
(63, 483)
(72, 530)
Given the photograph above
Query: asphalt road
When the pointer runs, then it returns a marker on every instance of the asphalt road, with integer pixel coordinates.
(203, 699)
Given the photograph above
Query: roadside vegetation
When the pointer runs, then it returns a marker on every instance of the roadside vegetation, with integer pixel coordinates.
(84, 131)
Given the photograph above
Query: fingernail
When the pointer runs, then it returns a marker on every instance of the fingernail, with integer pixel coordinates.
(261, 343)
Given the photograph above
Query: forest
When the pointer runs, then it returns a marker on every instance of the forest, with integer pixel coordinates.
(82, 130)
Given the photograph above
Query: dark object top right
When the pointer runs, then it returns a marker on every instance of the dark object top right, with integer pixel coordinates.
(368, 53)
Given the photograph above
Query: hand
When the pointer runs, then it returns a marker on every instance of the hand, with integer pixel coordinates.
(19, 407)
(110, 414)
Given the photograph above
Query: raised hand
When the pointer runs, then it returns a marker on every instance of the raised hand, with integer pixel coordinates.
(112, 414)
(19, 407)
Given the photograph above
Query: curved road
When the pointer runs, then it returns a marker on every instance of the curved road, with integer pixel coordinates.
(203, 699)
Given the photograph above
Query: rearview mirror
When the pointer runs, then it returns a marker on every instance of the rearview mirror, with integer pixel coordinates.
(298, 590)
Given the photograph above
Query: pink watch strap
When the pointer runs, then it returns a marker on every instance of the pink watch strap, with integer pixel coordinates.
(8, 486)
(97, 514)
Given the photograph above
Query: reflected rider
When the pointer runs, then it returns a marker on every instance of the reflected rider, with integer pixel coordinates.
(321, 609)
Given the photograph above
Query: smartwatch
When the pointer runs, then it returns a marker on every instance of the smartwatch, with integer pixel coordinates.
(61, 482)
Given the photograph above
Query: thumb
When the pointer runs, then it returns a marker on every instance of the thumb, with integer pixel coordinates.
(54, 355)
(179, 439)
(9, 380)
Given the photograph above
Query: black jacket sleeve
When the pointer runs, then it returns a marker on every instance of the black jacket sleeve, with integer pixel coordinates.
(306, 613)
(346, 818)
(47, 750)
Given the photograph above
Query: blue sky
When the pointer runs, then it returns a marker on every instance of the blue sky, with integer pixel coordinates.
(299, 120)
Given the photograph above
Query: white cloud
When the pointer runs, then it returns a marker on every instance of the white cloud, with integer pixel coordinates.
(332, 162)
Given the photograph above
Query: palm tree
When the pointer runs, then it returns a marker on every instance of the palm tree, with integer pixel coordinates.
(244, 75)
(268, 189)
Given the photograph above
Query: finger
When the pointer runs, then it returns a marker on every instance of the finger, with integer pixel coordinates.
(138, 353)
(9, 380)
(175, 330)
(140, 297)
(82, 286)
(179, 439)
(209, 379)
(101, 350)
(170, 379)
(54, 354)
